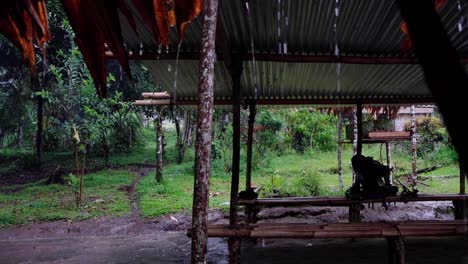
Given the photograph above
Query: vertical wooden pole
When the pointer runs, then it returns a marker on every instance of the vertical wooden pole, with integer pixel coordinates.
(414, 149)
(462, 180)
(234, 243)
(204, 127)
(253, 112)
(359, 129)
(396, 250)
(388, 150)
(340, 149)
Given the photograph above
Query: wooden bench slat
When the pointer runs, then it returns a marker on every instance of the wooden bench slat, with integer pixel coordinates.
(341, 230)
(342, 201)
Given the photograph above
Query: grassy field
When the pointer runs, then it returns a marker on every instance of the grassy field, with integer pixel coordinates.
(40, 202)
(288, 174)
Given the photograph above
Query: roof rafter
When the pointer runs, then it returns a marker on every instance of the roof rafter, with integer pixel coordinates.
(290, 58)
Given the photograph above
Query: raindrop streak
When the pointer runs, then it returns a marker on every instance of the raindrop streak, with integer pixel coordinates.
(176, 70)
(337, 51)
(253, 64)
(159, 50)
(461, 20)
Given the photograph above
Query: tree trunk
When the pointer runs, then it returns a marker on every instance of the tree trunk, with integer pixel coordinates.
(179, 142)
(159, 147)
(20, 137)
(340, 150)
(39, 135)
(190, 132)
(223, 121)
(204, 140)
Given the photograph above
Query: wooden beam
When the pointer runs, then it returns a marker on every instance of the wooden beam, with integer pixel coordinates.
(253, 112)
(204, 134)
(322, 101)
(288, 58)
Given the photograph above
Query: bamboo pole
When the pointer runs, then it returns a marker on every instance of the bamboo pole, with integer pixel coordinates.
(355, 137)
(204, 128)
(152, 102)
(388, 149)
(414, 149)
(157, 95)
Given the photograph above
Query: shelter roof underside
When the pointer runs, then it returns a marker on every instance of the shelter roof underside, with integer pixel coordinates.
(287, 36)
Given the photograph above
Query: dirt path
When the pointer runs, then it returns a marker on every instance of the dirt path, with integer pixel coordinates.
(140, 172)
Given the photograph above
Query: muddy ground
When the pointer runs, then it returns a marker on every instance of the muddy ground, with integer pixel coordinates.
(163, 240)
(132, 239)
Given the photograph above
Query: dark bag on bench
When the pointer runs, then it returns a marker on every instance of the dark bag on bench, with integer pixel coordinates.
(373, 177)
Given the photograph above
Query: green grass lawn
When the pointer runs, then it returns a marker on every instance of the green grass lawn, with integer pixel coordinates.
(40, 202)
(288, 173)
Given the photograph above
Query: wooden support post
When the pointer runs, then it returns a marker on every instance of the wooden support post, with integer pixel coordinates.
(388, 150)
(340, 149)
(461, 207)
(414, 152)
(463, 177)
(355, 213)
(253, 112)
(359, 129)
(396, 250)
(250, 211)
(441, 63)
(234, 243)
(204, 128)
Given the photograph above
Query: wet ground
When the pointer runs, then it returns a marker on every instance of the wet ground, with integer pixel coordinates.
(174, 247)
(163, 240)
(132, 239)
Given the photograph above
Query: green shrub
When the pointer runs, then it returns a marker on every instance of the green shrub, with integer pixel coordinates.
(312, 129)
(303, 183)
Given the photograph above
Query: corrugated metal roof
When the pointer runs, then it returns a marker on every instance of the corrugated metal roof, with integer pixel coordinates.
(364, 28)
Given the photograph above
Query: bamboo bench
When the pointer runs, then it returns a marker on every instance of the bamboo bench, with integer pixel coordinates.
(393, 232)
(459, 201)
(343, 230)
